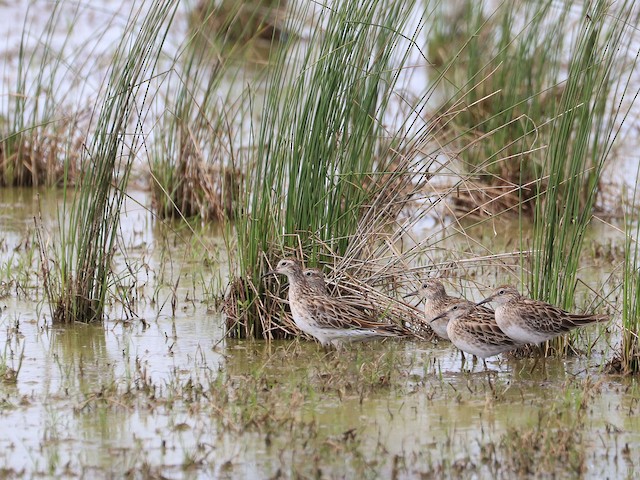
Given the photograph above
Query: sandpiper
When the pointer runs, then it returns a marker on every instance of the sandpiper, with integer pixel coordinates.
(328, 319)
(474, 330)
(315, 280)
(534, 321)
(436, 302)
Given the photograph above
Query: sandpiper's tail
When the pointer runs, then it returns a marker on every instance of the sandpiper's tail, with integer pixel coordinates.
(577, 320)
(393, 330)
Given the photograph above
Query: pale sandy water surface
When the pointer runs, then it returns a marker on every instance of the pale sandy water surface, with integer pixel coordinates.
(146, 394)
(133, 396)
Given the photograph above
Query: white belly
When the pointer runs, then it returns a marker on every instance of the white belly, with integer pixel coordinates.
(440, 328)
(518, 330)
(524, 335)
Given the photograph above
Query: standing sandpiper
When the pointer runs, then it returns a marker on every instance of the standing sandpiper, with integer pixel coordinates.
(436, 302)
(328, 319)
(534, 321)
(315, 280)
(475, 331)
(318, 285)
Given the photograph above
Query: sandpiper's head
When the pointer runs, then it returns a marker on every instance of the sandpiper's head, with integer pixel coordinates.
(502, 294)
(457, 310)
(290, 267)
(430, 289)
(315, 280)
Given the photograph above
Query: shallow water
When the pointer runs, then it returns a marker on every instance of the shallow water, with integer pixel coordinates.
(170, 396)
(89, 395)
(163, 393)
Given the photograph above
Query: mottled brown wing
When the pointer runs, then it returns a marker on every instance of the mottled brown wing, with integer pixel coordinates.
(579, 320)
(486, 311)
(548, 318)
(336, 314)
(359, 303)
(482, 325)
(543, 317)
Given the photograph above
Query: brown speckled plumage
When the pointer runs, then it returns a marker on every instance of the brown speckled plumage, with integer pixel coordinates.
(474, 330)
(315, 280)
(328, 319)
(534, 321)
(437, 302)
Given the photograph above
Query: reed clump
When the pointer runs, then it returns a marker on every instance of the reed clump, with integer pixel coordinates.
(78, 277)
(627, 360)
(197, 190)
(320, 153)
(193, 171)
(16, 162)
(40, 136)
(239, 23)
(40, 157)
(581, 143)
(189, 174)
(501, 71)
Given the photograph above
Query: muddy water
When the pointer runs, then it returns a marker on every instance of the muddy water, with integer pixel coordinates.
(164, 393)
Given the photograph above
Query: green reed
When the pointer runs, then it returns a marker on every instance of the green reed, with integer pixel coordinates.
(586, 125)
(630, 348)
(192, 165)
(45, 109)
(321, 137)
(33, 133)
(78, 278)
(501, 68)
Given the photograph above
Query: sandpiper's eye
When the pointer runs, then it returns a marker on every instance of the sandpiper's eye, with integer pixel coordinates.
(308, 274)
(502, 291)
(455, 307)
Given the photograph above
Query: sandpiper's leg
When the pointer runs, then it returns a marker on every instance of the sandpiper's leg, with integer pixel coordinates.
(535, 363)
(326, 346)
